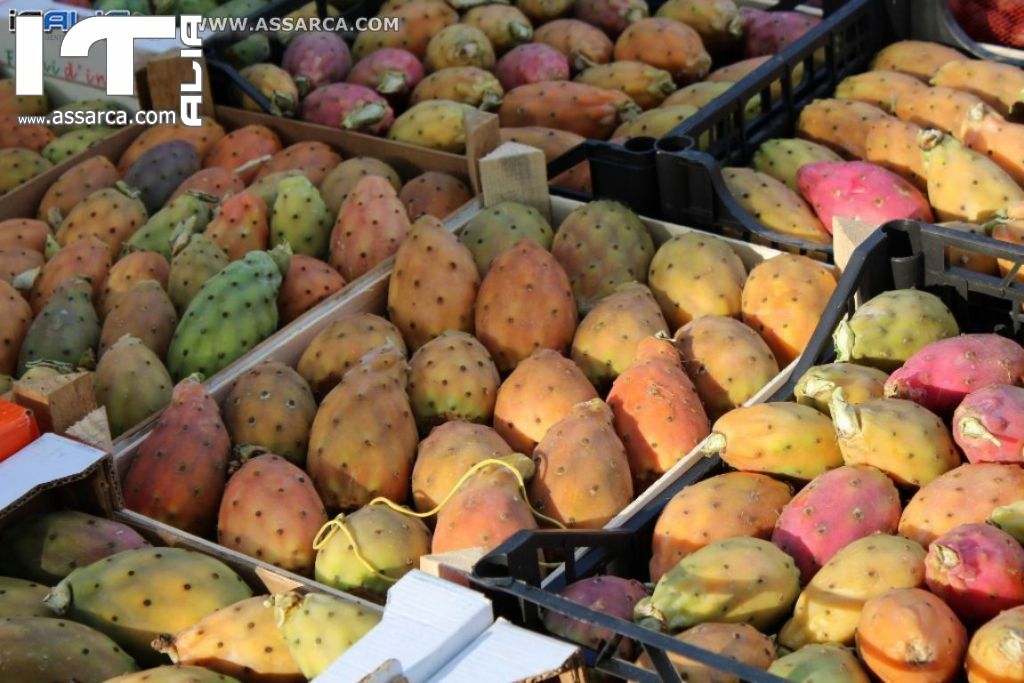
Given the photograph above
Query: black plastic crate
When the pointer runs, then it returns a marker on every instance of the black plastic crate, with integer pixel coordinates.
(690, 180)
(902, 254)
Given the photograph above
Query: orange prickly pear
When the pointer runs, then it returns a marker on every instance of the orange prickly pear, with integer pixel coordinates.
(74, 185)
(434, 194)
(718, 22)
(999, 85)
(446, 454)
(344, 177)
(24, 233)
(452, 377)
(941, 108)
(340, 345)
(583, 44)
(130, 270)
(371, 225)
(14, 262)
(994, 654)
(988, 133)
(576, 107)
(839, 124)
(314, 159)
(238, 150)
(17, 317)
(879, 88)
(109, 215)
(240, 225)
(88, 257)
(665, 44)
(144, 311)
(892, 144)
(646, 85)
(307, 282)
(918, 58)
(212, 184)
(740, 642)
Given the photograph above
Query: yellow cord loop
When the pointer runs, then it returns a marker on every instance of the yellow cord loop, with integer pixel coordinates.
(327, 532)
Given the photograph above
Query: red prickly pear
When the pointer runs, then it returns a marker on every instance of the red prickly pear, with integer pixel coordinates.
(315, 59)
(610, 595)
(839, 124)
(348, 106)
(861, 191)
(177, 476)
(372, 224)
(665, 44)
(540, 391)
(575, 107)
(999, 85)
(988, 425)
(978, 570)
(768, 33)
(307, 282)
(657, 411)
(240, 151)
(434, 194)
(918, 58)
(531, 63)
(835, 509)
(389, 71)
(582, 477)
(941, 374)
(584, 45)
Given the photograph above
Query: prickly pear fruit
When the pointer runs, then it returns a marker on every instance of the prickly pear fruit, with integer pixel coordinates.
(187, 213)
(531, 63)
(316, 58)
(859, 383)
(520, 416)
(878, 88)
(244, 293)
(434, 194)
(144, 312)
(32, 136)
(29, 105)
(994, 653)
(656, 123)
(59, 150)
(255, 648)
(271, 511)
(576, 107)
(583, 474)
(892, 144)
(241, 222)
(839, 124)
(999, 85)
(340, 345)
(890, 328)
(196, 260)
(775, 205)
(967, 495)
(827, 662)
(782, 301)
(735, 72)
(21, 598)
(969, 259)
(435, 124)
(452, 377)
(272, 407)
(242, 150)
(468, 85)
(348, 106)
(14, 262)
(19, 165)
(314, 159)
(307, 282)
(657, 411)
(363, 438)
(24, 233)
(213, 184)
(458, 45)
(665, 44)
(131, 383)
(1010, 518)
(108, 215)
(158, 172)
(940, 375)
(505, 26)
(175, 673)
(918, 58)
(989, 134)
(131, 269)
(695, 275)
(741, 643)
(494, 230)
(41, 648)
(371, 225)
(523, 282)
(908, 634)
(781, 158)
(446, 455)
(835, 509)
(343, 178)
(584, 45)
(486, 509)
(136, 595)
(829, 608)
(389, 71)
(177, 476)
(986, 424)
(941, 108)
(718, 22)
(581, 247)
(760, 588)
(300, 218)
(610, 595)
(607, 339)
(320, 628)
(202, 138)
(768, 33)
(420, 21)
(88, 258)
(48, 547)
(381, 545)
(67, 328)
(425, 300)
(17, 317)
(690, 520)
(646, 85)
(699, 94)
(861, 191)
(275, 84)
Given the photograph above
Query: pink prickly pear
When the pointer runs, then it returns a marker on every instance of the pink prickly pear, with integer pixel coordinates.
(989, 425)
(611, 595)
(942, 373)
(978, 570)
(348, 106)
(859, 190)
(389, 71)
(317, 58)
(531, 63)
(835, 509)
(767, 33)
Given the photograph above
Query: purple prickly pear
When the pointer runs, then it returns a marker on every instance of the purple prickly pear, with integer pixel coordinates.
(989, 424)
(389, 71)
(158, 173)
(611, 16)
(317, 58)
(531, 63)
(836, 508)
(611, 595)
(941, 374)
(348, 106)
(767, 33)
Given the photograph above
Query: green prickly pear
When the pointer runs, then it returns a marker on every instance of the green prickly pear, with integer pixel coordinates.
(156, 234)
(246, 52)
(196, 260)
(320, 628)
(136, 595)
(44, 649)
(19, 165)
(828, 662)
(234, 311)
(21, 598)
(781, 158)
(131, 383)
(494, 230)
(74, 142)
(1010, 518)
(370, 549)
(67, 329)
(300, 218)
(146, 312)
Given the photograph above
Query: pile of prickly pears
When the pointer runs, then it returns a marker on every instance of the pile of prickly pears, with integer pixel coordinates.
(870, 529)
(191, 250)
(927, 134)
(28, 149)
(519, 376)
(556, 71)
(88, 599)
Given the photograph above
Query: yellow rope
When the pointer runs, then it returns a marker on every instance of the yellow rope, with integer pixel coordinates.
(338, 524)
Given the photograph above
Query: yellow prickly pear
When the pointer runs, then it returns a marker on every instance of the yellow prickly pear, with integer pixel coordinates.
(320, 628)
